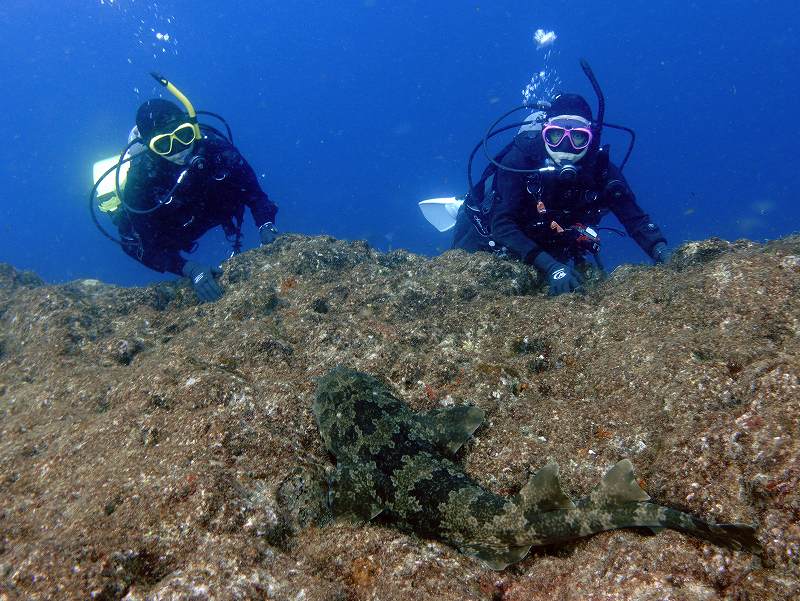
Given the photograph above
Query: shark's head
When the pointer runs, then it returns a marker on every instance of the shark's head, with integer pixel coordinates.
(334, 405)
(330, 398)
(346, 408)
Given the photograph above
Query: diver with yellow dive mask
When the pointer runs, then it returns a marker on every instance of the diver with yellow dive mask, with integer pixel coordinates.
(185, 178)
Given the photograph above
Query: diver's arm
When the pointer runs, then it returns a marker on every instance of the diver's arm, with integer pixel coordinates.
(245, 180)
(637, 223)
(511, 194)
(262, 208)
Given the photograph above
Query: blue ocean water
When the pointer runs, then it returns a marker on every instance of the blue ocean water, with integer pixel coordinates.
(353, 111)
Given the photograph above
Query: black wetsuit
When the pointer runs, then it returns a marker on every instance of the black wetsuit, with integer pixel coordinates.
(215, 195)
(514, 217)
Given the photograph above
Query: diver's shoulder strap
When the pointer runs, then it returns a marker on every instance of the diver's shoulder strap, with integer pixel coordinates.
(214, 136)
(602, 162)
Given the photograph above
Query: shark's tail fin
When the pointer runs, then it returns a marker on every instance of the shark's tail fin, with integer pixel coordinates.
(618, 502)
(626, 502)
(740, 537)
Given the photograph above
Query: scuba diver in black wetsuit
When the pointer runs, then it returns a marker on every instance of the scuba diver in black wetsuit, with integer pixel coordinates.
(542, 197)
(184, 179)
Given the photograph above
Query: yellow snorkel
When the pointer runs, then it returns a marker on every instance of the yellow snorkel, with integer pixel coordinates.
(182, 99)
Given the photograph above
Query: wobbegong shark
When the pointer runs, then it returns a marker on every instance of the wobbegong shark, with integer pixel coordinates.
(398, 463)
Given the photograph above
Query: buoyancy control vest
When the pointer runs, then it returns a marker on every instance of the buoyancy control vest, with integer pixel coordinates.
(563, 203)
(569, 194)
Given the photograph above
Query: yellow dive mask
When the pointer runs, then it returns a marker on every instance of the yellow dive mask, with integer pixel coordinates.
(164, 144)
(185, 133)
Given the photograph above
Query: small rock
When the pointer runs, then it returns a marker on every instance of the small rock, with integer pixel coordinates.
(320, 305)
(125, 350)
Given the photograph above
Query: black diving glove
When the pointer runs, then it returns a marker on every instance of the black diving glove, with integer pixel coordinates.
(560, 278)
(205, 286)
(660, 253)
(268, 233)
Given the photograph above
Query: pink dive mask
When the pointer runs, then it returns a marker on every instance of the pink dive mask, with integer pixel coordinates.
(579, 137)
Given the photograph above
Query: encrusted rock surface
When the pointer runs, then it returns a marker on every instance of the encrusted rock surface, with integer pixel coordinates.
(154, 448)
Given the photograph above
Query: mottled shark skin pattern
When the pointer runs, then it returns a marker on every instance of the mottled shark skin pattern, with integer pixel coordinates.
(394, 461)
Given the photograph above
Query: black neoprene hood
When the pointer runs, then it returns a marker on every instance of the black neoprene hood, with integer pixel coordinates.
(570, 104)
(156, 115)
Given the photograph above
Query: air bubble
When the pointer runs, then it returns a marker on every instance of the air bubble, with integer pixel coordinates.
(545, 81)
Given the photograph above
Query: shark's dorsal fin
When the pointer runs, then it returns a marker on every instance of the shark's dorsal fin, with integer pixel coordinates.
(449, 428)
(543, 492)
(353, 492)
(618, 486)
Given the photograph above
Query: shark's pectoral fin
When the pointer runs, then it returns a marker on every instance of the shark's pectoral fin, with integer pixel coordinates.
(353, 492)
(449, 428)
(543, 492)
(618, 486)
(496, 558)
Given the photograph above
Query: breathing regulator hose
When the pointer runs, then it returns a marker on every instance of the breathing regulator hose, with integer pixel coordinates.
(601, 102)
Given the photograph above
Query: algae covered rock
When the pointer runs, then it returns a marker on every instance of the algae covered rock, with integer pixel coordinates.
(11, 278)
(154, 448)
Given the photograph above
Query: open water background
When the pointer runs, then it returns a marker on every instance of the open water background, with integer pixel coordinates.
(353, 111)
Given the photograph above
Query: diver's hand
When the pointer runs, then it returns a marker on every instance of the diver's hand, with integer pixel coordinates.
(660, 253)
(268, 233)
(560, 278)
(205, 286)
